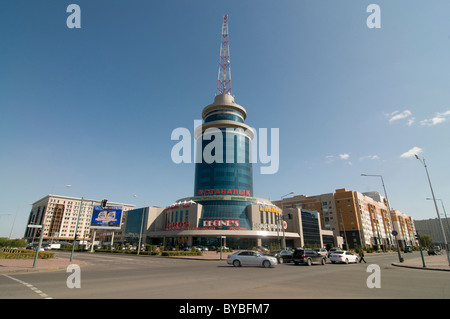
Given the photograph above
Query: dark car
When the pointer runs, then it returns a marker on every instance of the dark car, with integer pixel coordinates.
(283, 256)
(307, 256)
(408, 249)
(262, 249)
(433, 251)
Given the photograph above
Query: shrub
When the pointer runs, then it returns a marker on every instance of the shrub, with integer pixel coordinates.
(24, 254)
(181, 253)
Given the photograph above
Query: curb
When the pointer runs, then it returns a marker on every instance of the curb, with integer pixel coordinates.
(31, 270)
(419, 267)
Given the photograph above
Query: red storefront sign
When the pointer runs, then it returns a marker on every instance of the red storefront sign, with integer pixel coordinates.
(178, 225)
(221, 223)
(224, 191)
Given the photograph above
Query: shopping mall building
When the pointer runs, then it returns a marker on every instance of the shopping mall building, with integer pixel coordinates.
(223, 205)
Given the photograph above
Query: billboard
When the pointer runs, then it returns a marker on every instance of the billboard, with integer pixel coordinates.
(109, 217)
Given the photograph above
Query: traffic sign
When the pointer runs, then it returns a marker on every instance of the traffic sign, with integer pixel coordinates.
(34, 226)
(394, 233)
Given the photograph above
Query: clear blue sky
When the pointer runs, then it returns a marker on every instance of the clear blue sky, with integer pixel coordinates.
(95, 107)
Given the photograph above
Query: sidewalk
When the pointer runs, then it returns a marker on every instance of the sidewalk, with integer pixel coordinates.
(439, 262)
(8, 266)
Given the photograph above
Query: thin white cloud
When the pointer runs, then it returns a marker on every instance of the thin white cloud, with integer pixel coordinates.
(395, 116)
(331, 158)
(412, 152)
(411, 121)
(369, 157)
(439, 118)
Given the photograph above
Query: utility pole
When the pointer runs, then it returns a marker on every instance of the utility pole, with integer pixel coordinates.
(435, 206)
(394, 232)
(41, 237)
(76, 229)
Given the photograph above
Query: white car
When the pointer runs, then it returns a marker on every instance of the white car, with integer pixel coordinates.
(322, 251)
(343, 256)
(251, 258)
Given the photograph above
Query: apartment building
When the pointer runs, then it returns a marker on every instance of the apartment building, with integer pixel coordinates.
(59, 216)
(432, 227)
(405, 227)
(362, 219)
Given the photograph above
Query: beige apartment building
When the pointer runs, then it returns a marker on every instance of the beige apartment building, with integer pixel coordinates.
(59, 216)
(362, 219)
(405, 226)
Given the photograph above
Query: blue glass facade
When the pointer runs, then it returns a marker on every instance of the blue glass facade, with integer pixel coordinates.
(226, 210)
(231, 172)
(134, 220)
(224, 114)
(235, 171)
(311, 229)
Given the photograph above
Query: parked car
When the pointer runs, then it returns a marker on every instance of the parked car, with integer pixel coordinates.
(251, 258)
(433, 251)
(322, 251)
(343, 256)
(332, 250)
(282, 256)
(407, 249)
(262, 249)
(307, 256)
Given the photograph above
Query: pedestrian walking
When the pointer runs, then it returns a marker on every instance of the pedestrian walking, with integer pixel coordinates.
(361, 256)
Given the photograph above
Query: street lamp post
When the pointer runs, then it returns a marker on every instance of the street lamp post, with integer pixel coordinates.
(280, 218)
(142, 223)
(394, 232)
(76, 229)
(435, 206)
(445, 213)
(14, 220)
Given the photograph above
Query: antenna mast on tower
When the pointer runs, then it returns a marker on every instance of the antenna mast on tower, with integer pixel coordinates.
(224, 78)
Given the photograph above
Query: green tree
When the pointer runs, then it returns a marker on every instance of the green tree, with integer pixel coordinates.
(3, 241)
(16, 243)
(426, 241)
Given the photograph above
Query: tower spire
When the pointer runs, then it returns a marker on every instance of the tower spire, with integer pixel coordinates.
(224, 77)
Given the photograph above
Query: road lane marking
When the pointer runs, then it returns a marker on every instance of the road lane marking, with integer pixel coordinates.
(32, 288)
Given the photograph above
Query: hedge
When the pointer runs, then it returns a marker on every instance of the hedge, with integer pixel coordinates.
(181, 253)
(24, 254)
(153, 253)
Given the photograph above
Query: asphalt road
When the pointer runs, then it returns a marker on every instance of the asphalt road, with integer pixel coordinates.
(107, 276)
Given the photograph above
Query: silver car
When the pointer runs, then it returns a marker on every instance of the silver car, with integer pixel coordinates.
(251, 258)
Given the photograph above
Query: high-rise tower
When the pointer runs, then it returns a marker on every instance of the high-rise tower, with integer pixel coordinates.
(223, 205)
(223, 161)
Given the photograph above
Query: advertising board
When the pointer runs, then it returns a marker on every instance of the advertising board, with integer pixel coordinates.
(109, 217)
